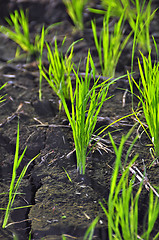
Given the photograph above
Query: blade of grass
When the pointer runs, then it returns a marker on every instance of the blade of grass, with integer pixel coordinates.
(110, 46)
(89, 233)
(75, 11)
(14, 186)
(149, 96)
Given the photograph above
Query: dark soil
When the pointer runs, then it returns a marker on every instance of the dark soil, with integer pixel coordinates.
(60, 206)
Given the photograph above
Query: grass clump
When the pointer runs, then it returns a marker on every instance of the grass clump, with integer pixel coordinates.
(75, 11)
(14, 185)
(90, 231)
(20, 33)
(109, 46)
(148, 87)
(39, 42)
(141, 24)
(60, 68)
(122, 207)
(86, 101)
(137, 13)
(118, 6)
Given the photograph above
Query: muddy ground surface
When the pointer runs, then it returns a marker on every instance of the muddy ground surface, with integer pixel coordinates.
(60, 206)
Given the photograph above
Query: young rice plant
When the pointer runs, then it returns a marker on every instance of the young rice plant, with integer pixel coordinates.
(137, 13)
(60, 68)
(19, 22)
(39, 43)
(75, 10)
(14, 185)
(122, 207)
(109, 46)
(117, 8)
(20, 34)
(149, 96)
(141, 24)
(85, 103)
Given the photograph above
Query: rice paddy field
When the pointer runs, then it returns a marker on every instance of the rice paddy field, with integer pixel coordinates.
(82, 93)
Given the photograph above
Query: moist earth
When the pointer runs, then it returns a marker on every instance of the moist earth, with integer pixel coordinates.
(61, 206)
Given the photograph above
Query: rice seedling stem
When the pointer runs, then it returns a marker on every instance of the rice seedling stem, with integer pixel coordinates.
(14, 185)
(141, 24)
(75, 11)
(149, 96)
(60, 67)
(39, 43)
(122, 206)
(85, 102)
(109, 46)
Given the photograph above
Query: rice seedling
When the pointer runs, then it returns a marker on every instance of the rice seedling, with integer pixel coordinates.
(85, 103)
(109, 46)
(75, 11)
(20, 33)
(122, 207)
(2, 99)
(60, 68)
(141, 24)
(148, 87)
(118, 6)
(90, 231)
(138, 15)
(39, 42)
(14, 185)
(19, 22)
